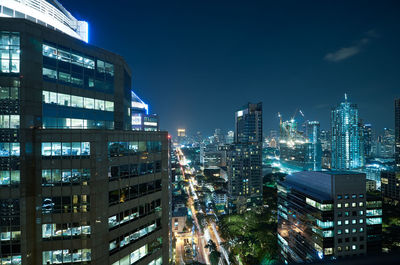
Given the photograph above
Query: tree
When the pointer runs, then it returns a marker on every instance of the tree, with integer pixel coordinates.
(250, 237)
(214, 254)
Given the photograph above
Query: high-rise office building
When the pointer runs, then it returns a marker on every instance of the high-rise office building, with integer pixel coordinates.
(397, 131)
(244, 159)
(390, 186)
(181, 132)
(248, 124)
(326, 140)
(347, 144)
(314, 147)
(300, 150)
(386, 144)
(77, 185)
(219, 137)
(326, 148)
(230, 137)
(141, 119)
(327, 215)
(367, 140)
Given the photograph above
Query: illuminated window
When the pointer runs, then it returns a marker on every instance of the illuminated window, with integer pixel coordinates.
(374, 212)
(9, 177)
(66, 256)
(77, 102)
(9, 92)
(9, 149)
(54, 149)
(89, 103)
(67, 56)
(9, 121)
(374, 221)
(328, 251)
(49, 73)
(339, 205)
(9, 52)
(326, 224)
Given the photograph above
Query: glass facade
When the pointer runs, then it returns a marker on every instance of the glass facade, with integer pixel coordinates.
(66, 256)
(9, 52)
(65, 231)
(132, 148)
(140, 253)
(129, 238)
(135, 213)
(67, 66)
(10, 229)
(313, 145)
(133, 170)
(9, 149)
(347, 144)
(65, 177)
(68, 123)
(9, 121)
(9, 177)
(10, 232)
(79, 203)
(66, 149)
(77, 101)
(134, 191)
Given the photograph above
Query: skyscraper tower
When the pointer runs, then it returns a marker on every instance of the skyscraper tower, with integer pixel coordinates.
(347, 144)
(367, 138)
(314, 147)
(248, 124)
(327, 215)
(397, 131)
(77, 185)
(244, 159)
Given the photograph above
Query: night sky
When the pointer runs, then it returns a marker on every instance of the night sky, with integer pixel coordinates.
(196, 62)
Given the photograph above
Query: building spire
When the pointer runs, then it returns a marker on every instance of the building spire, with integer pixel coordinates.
(345, 97)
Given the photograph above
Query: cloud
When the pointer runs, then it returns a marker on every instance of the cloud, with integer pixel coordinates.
(342, 54)
(347, 52)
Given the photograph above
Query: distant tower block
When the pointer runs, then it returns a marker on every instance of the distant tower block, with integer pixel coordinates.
(181, 132)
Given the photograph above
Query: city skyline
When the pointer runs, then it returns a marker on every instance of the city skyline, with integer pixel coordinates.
(295, 170)
(276, 53)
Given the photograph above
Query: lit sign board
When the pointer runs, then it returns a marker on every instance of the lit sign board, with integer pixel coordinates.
(149, 123)
(136, 120)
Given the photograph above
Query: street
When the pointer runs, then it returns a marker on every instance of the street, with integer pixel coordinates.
(202, 235)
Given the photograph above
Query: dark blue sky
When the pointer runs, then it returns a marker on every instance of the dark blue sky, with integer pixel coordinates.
(196, 62)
